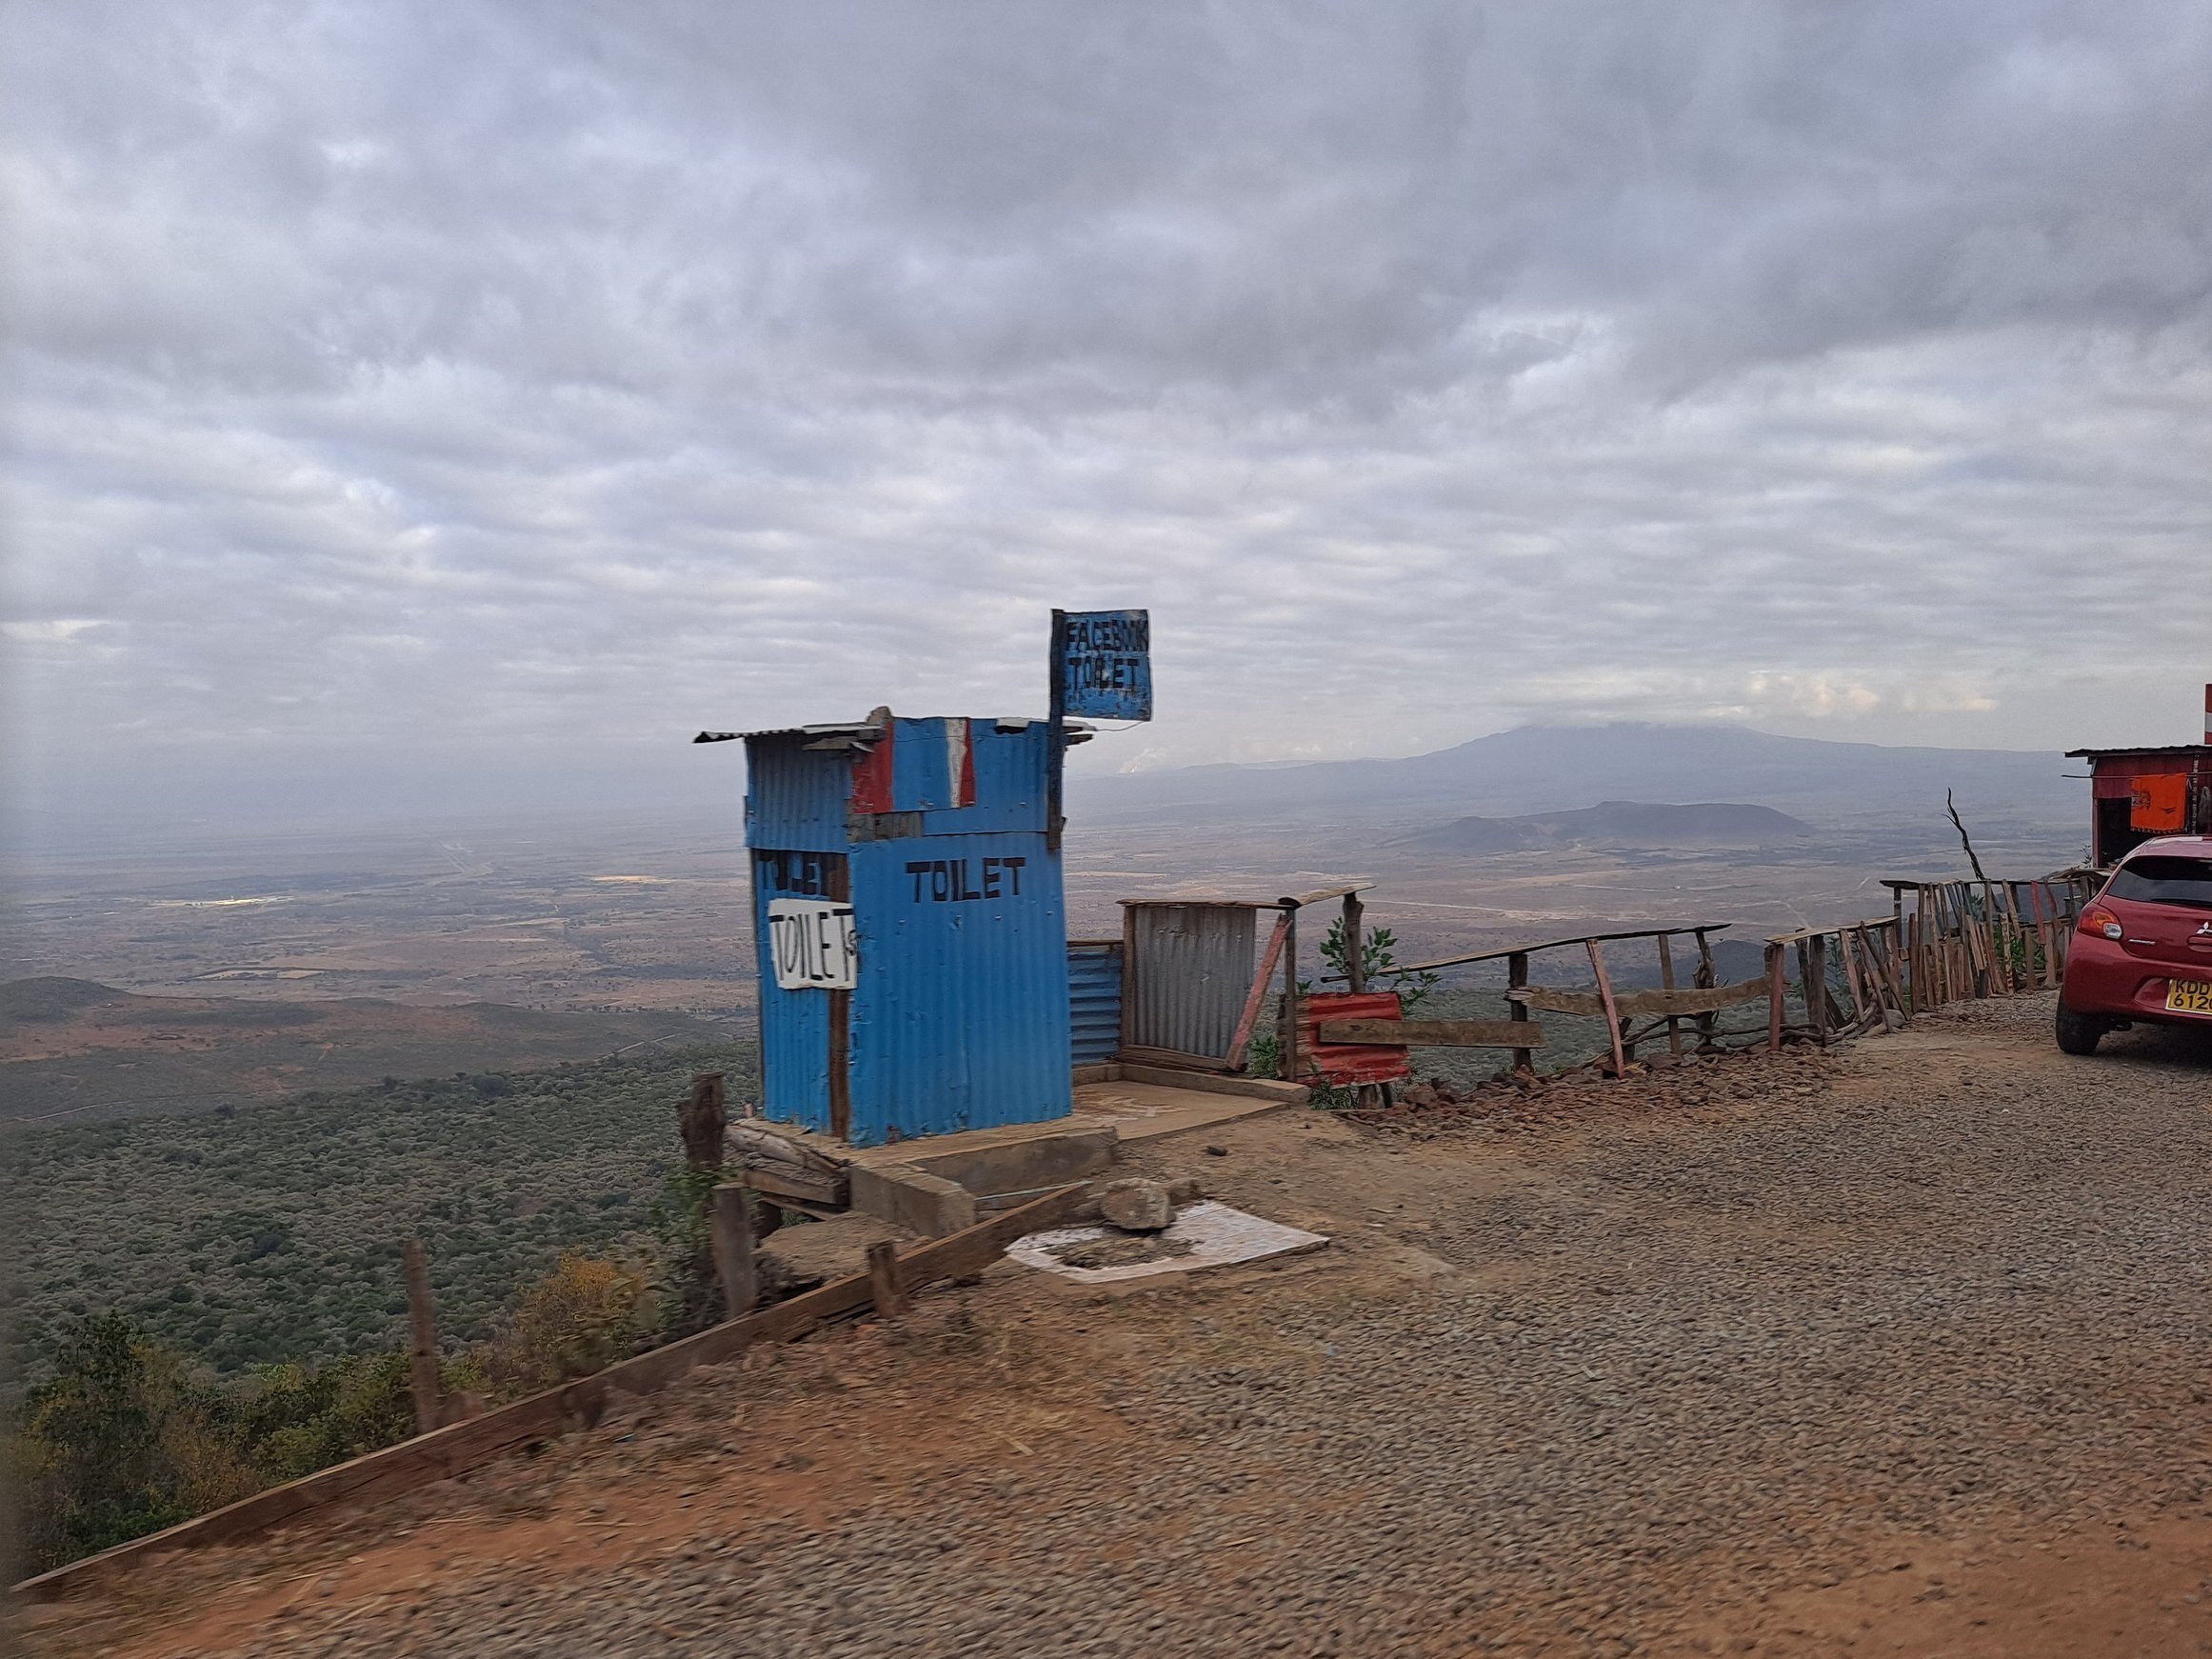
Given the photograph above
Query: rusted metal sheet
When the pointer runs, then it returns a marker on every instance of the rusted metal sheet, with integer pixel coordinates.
(1343, 1062)
(1187, 976)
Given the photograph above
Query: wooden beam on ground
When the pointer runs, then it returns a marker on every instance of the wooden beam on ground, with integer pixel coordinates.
(1435, 1034)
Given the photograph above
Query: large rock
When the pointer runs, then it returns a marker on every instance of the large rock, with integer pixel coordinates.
(1136, 1206)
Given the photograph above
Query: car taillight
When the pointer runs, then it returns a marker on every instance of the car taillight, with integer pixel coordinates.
(2096, 919)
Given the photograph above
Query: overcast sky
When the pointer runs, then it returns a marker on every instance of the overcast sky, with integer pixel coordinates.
(447, 388)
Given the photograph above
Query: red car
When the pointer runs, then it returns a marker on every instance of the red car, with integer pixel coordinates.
(2143, 949)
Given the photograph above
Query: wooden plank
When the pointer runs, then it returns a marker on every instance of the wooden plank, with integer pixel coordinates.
(1355, 965)
(1218, 1083)
(1287, 1039)
(1691, 1000)
(1511, 951)
(1174, 1059)
(1435, 1034)
(1612, 1012)
(1257, 998)
(791, 1181)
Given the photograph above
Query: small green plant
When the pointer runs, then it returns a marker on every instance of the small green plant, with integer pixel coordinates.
(1378, 963)
(689, 1290)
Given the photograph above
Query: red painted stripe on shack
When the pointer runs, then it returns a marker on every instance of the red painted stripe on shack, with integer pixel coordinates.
(872, 775)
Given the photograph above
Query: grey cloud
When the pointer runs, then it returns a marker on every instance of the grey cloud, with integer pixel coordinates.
(420, 377)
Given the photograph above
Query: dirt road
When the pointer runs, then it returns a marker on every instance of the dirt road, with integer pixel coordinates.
(1899, 1351)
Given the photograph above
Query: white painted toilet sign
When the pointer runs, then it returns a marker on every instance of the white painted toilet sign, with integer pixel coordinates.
(812, 943)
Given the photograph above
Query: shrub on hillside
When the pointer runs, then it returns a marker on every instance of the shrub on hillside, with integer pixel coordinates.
(580, 1318)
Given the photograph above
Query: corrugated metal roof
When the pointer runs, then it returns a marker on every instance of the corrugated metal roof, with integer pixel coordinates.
(2200, 750)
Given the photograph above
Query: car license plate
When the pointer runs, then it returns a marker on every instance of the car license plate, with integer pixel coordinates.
(2189, 996)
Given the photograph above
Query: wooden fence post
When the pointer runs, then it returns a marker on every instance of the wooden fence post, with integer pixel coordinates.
(703, 1122)
(1706, 978)
(1666, 982)
(1355, 962)
(883, 1279)
(1776, 991)
(731, 1220)
(422, 1334)
(1517, 977)
(1287, 1042)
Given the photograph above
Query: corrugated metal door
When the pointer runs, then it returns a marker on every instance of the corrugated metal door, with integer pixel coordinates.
(1094, 1000)
(1190, 972)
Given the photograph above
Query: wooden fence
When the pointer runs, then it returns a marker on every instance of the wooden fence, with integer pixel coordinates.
(1942, 942)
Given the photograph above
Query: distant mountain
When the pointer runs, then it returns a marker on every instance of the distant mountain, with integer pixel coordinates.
(1621, 824)
(1548, 768)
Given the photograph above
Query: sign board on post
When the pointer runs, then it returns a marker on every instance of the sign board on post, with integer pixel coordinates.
(812, 945)
(1101, 666)
(1104, 664)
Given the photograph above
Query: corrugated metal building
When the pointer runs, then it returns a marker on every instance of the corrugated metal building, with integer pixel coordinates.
(2137, 793)
(912, 926)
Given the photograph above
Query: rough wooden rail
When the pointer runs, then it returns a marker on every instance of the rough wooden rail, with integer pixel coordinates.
(445, 1452)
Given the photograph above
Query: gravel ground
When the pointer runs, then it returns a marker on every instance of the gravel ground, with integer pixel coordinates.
(1795, 1356)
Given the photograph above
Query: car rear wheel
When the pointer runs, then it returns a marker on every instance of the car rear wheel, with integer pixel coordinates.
(2078, 1033)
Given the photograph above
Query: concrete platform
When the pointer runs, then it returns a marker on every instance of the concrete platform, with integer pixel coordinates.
(939, 1184)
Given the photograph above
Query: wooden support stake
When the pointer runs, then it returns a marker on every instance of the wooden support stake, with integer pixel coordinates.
(1355, 963)
(1288, 1046)
(703, 1121)
(1776, 991)
(1851, 978)
(1706, 978)
(1516, 977)
(883, 1279)
(731, 1220)
(1666, 982)
(422, 1334)
(1612, 1013)
(1250, 1017)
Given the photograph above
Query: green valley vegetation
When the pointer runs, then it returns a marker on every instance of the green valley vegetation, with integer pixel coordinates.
(271, 1233)
(202, 1307)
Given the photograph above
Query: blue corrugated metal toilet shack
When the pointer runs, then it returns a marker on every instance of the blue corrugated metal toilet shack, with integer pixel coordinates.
(911, 925)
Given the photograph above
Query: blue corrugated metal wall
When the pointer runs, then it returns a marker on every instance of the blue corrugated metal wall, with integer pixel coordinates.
(794, 797)
(1094, 1001)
